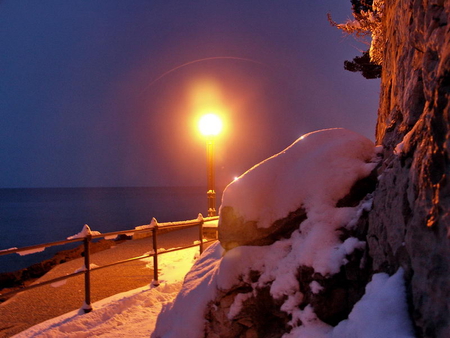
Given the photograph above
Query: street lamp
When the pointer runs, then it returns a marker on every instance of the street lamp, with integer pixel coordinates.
(210, 126)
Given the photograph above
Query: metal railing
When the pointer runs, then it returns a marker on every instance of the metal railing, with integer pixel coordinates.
(155, 228)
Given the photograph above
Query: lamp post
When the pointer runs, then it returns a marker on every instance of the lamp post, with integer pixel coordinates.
(210, 126)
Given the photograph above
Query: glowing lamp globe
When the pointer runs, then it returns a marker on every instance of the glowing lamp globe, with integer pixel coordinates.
(210, 125)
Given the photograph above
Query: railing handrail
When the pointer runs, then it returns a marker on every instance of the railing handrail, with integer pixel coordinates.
(165, 225)
(87, 239)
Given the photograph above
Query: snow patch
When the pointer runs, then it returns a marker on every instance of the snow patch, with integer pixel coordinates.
(83, 268)
(9, 249)
(85, 232)
(381, 312)
(315, 287)
(29, 252)
(152, 224)
(401, 147)
(365, 205)
(58, 284)
(236, 307)
(311, 326)
(184, 317)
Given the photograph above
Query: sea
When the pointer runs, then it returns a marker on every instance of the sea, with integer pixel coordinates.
(42, 215)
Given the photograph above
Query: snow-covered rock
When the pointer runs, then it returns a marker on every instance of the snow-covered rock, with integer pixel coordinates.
(311, 176)
(298, 286)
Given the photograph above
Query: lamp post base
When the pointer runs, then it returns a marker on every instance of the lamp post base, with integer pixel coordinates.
(211, 203)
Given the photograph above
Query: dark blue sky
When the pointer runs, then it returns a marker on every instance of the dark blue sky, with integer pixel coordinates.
(80, 106)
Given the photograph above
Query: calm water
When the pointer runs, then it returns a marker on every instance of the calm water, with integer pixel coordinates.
(34, 216)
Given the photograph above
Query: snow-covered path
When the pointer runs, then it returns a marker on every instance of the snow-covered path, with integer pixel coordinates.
(128, 314)
(37, 305)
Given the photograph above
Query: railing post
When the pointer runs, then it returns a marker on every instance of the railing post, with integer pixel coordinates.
(87, 276)
(155, 256)
(201, 235)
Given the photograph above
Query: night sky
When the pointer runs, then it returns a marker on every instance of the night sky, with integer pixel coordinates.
(94, 93)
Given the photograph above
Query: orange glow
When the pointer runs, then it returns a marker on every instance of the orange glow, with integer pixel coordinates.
(210, 125)
(205, 94)
(207, 103)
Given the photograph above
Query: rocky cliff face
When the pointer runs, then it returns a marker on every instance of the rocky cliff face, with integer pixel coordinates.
(409, 225)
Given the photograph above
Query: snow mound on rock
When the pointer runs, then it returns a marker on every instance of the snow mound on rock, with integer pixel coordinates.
(315, 171)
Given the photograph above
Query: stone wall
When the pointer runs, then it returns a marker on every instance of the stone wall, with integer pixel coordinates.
(409, 225)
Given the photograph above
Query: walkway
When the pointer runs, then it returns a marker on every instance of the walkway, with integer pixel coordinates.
(31, 307)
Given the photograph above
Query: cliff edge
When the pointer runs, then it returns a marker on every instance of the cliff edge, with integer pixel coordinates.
(409, 225)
